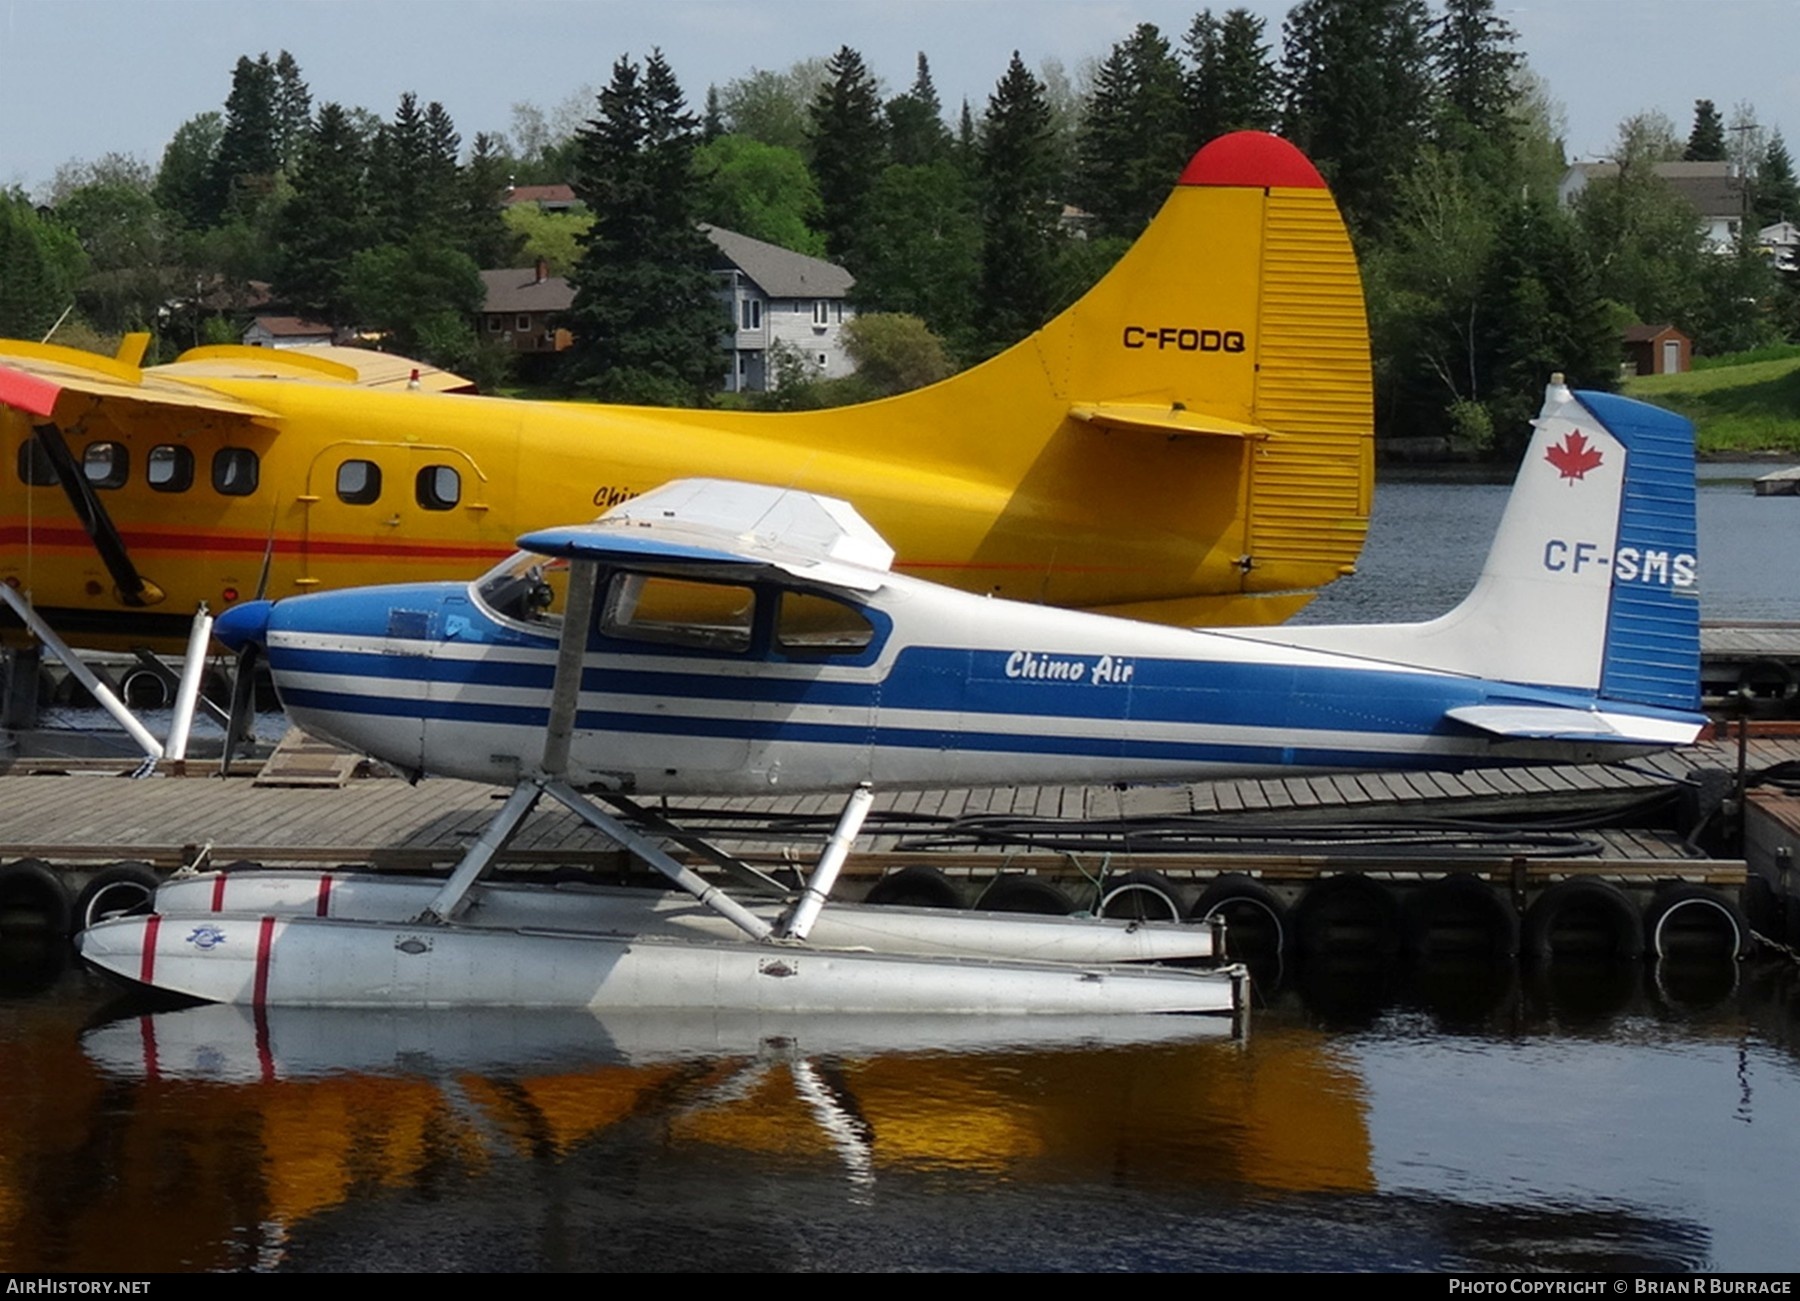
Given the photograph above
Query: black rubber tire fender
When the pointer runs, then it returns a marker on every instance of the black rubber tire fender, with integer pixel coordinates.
(1139, 895)
(1330, 899)
(119, 890)
(1464, 895)
(918, 885)
(1686, 897)
(1608, 904)
(1237, 893)
(31, 885)
(1025, 892)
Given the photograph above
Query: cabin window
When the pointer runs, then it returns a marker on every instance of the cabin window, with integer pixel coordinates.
(34, 465)
(821, 312)
(106, 465)
(495, 325)
(358, 482)
(522, 323)
(438, 487)
(751, 317)
(810, 625)
(677, 612)
(234, 471)
(170, 468)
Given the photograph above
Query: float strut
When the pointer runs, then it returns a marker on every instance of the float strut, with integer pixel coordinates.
(449, 900)
(837, 849)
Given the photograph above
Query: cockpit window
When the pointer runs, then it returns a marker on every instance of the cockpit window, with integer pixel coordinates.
(526, 588)
(808, 626)
(678, 612)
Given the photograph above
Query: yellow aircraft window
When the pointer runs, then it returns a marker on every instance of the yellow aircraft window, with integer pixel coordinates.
(34, 465)
(106, 465)
(438, 487)
(170, 468)
(234, 471)
(818, 625)
(358, 482)
(676, 612)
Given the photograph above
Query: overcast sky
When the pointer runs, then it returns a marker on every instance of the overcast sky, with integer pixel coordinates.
(80, 78)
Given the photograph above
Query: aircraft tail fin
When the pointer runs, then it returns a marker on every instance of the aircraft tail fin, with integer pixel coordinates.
(1591, 583)
(1210, 396)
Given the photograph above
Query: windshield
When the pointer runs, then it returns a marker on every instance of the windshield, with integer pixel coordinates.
(526, 588)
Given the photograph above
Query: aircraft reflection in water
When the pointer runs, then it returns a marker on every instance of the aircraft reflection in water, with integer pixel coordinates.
(1190, 443)
(330, 1107)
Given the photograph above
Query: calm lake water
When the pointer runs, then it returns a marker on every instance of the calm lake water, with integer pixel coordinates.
(1612, 1118)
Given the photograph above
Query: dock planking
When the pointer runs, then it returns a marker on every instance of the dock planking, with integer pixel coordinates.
(86, 816)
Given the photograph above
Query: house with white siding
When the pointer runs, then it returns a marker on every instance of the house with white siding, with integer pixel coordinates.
(779, 298)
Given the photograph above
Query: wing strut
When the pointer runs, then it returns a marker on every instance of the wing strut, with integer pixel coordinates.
(132, 588)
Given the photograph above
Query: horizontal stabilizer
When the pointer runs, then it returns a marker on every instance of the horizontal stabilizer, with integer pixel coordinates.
(1132, 418)
(1551, 723)
(712, 522)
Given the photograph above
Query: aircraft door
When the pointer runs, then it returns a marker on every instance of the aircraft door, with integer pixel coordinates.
(816, 715)
(367, 505)
(672, 680)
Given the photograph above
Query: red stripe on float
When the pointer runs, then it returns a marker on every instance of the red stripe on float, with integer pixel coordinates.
(325, 895)
(219, 893)
(264, 942)
(147, 1031)
(147, 964)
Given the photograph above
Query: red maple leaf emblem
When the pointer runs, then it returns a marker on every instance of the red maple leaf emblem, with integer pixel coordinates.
(1572, 457)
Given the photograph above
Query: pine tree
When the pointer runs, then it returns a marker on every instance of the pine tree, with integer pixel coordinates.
(915, 122)
(647, 318)
(1231, 83)
(248, 156)
(1359, 96)
(1019, 232)
(1546, 315)
(482, 186)
(1775, 196)
(1473, 59)
(849, 149)
(1134, 138)
(1706, 142)
(293, 108)
(41, 265)
(327, 219)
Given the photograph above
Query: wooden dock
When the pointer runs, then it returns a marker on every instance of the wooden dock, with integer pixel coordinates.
(89, 813)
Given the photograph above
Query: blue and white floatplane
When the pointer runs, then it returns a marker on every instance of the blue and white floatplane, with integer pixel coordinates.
(725, 638)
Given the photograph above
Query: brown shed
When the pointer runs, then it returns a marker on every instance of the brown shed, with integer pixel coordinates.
(1657, 349)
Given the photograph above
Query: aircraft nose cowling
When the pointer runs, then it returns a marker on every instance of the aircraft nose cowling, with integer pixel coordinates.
(243, 624)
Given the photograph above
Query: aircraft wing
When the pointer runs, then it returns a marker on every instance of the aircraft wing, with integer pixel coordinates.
(34, 377)
(1143, 418)
(744, 528)
(1555, 723)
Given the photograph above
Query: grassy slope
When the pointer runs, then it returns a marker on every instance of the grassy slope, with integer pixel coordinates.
(1750, 408)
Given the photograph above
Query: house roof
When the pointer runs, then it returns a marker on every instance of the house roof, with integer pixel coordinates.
(1711, 188)
(1648, 333)
(550, 195)
(780, 272)
(293, 327)
(518, 289)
